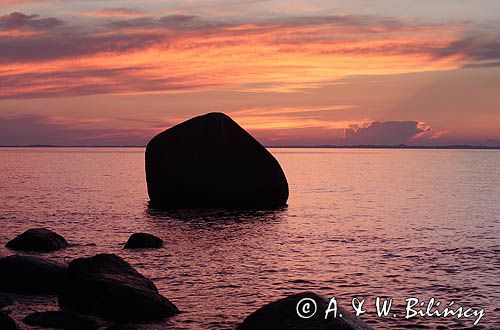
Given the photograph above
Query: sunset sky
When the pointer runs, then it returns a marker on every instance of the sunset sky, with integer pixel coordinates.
(298, 72)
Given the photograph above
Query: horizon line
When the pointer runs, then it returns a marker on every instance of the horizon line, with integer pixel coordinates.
(326, 146)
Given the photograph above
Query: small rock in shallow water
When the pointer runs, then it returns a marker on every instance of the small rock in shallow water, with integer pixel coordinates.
(7, 323)
(143, 240)
(61, 320)
(282, 314)
(107, 285)
(31, 274)
(38, 240)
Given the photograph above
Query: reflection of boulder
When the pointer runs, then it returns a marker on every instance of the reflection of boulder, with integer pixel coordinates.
(61, 320)
(107, 285)
(39, 240)
(282, 314)
(31, 274)
(143, 240)
(210, 161)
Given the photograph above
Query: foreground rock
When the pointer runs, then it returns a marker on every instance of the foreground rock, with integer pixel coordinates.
(108, 286)
(143, 240)
(282, 314)
(39, 240)
(210, 161)
(6, 301)
(31, 274)
(61, 320)
(7, 323)
(121, 327)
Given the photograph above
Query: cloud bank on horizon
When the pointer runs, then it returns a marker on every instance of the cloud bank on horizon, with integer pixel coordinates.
(293, 73)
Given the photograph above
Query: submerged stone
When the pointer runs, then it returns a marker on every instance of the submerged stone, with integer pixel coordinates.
(143, 240)
(38, 240)
(61, 320)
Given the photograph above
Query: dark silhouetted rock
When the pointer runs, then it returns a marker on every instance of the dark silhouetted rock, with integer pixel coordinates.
(143, 240)
(130, 304)
(121, 326)
(107, 285)
(39, 240)
(210, 161)
(7, 323)
(31, 274)
(61, 320)
(6, 301)
(282, 314)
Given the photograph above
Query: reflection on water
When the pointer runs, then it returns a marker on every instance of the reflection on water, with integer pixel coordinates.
(216, 216)
(392, 223)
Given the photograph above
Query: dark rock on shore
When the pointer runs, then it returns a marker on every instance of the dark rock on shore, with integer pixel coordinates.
(7, 323)
(143, 240)
(31, 274)
(210, 161)
(107, 285)
(61, 320)
(282, 314)
(39, 240)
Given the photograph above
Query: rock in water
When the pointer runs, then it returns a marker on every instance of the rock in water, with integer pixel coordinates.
(6, 301)
(131, 304)
(143, 240)
(39, 240)
(31, 274)
(7, 323)
(108, 286)
(282, 314)
(210, 161)
(61, 320)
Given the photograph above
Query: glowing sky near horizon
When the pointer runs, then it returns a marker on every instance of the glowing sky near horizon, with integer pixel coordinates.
(291, 72)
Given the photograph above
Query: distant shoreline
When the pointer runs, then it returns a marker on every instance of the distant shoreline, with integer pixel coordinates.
(280, 147)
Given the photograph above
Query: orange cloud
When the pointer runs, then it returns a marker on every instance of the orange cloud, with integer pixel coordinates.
(180, 53)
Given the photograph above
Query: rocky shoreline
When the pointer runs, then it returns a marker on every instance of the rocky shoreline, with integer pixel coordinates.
(105, 292)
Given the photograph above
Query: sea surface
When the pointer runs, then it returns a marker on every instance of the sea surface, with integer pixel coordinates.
(359, 223)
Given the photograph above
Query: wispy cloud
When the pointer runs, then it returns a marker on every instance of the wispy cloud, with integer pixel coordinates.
(118, 12)
(127, 54)
(18, 20)
(49, 130)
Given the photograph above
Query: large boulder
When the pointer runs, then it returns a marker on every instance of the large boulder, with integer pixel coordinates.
(210, 161)
(7, 323)
(31, 275)
(108, 286)
(39, 240)
(143, 240)
(61, 320)
(282, 314)
(125, 303)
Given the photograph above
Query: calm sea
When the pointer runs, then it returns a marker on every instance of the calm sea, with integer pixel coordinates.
(360, 223)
